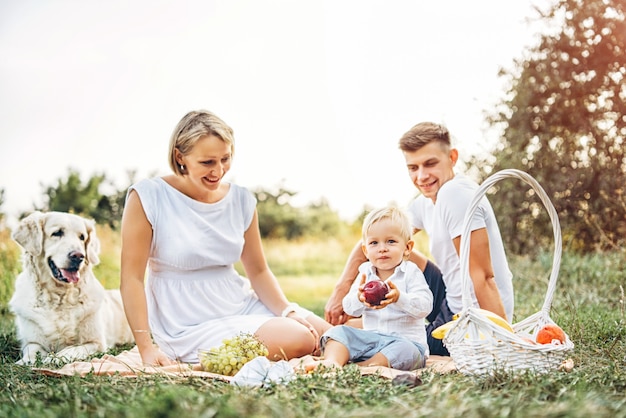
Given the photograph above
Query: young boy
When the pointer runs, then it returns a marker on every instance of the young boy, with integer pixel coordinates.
(394, 333)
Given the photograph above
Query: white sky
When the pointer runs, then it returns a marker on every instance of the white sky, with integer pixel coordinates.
(318, 92)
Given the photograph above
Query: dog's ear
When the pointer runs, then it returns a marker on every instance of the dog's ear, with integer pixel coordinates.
(93, 243)
(29, 233)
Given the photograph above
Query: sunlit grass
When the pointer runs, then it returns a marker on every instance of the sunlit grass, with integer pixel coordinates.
(309, 292)
(588, 304)
(10, 265)
(108, 271)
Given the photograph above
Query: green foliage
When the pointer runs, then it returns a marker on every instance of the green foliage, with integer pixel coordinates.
(2, 214)
(97, 198)
(279, 219)
(88, 199)
(309, 268)
(108, 271)
(563, 122)
(10, 266)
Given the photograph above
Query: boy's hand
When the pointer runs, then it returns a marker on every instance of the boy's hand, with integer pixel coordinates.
(362, 296)
(360, 293)
(392, 296)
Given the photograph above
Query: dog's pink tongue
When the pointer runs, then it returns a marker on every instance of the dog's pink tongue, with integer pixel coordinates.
(71, 276)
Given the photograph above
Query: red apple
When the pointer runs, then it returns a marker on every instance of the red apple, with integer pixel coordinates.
(375, 291)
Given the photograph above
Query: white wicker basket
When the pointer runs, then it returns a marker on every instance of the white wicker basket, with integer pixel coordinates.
(476, 344)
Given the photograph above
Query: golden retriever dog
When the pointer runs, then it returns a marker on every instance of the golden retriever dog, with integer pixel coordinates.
(62, 312)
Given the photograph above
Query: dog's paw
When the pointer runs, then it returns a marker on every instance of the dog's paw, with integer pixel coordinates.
(36, 361)
(32, 355)
(72, 353)
(52, 360)
(24, 362)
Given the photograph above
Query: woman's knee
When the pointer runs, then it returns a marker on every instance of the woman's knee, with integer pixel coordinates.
(286, 339)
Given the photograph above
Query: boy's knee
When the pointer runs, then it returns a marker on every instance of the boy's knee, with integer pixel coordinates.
(406, 356)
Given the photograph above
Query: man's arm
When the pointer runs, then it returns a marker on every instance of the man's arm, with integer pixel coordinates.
(419, 259)
(333, 312)
(481, 272)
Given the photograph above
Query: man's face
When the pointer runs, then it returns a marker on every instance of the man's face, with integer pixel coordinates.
(431, 167)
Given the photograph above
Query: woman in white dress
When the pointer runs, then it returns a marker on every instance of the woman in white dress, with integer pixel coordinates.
(188, 229)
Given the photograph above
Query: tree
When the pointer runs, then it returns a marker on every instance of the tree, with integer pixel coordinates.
(279, 219)
(2, 214)
(87, 199)
(563, 121)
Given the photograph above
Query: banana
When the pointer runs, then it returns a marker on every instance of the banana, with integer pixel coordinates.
(440, 332)
(497, 319)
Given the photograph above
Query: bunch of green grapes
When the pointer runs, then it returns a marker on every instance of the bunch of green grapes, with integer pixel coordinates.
(229, 358)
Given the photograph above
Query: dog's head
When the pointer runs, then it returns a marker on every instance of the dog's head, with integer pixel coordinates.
(65, 243)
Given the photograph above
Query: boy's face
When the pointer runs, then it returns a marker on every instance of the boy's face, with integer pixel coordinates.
(384, 245)
(430, 167)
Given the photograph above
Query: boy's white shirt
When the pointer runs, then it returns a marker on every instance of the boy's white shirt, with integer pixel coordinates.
(406, 316)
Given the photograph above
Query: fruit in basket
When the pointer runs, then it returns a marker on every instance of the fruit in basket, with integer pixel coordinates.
(229, 358)
(549, 333)
(441, 331)
(375, 291)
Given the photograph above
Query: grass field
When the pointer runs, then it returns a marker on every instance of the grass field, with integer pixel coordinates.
(588, 304)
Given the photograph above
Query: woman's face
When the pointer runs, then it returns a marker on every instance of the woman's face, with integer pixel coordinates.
(208, 162)
(430, 167)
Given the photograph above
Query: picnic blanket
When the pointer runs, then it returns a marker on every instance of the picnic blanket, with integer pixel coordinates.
(128, 364)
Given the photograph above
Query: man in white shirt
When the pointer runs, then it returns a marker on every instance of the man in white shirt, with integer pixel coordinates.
(440, 210)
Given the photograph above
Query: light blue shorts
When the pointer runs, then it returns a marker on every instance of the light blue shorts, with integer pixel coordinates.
(402, 353)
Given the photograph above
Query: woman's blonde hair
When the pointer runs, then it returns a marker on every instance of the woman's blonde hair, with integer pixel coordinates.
(395, 215)
(193, 126)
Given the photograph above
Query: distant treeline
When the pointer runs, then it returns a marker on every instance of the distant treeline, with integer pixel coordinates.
(278, 218)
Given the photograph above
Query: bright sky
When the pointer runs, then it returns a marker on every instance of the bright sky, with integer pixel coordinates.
(317, 92)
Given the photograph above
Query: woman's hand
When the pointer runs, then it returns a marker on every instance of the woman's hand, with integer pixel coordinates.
(307, 324)
(155, 357)
(391, 297)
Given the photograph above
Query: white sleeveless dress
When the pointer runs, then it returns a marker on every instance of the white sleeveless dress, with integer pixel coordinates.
(195, 296)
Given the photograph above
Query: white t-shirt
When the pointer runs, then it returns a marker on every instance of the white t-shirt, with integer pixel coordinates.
(443, 221)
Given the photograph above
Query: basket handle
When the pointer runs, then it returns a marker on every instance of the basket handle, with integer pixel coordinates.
(465, 235)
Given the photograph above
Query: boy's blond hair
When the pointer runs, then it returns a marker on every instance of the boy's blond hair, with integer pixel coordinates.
(396, 215)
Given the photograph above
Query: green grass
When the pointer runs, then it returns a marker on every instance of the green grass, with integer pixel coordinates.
(588, 304)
